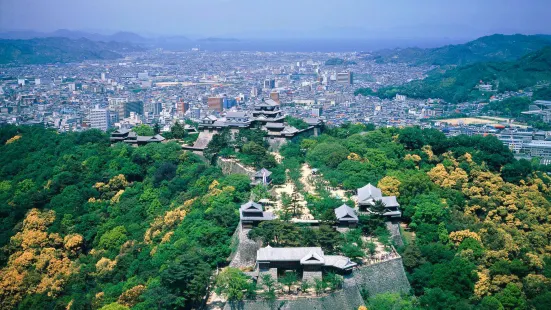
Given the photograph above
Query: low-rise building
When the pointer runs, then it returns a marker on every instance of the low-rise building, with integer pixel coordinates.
(130, 137)
(252, 213)
(346, 216)
(262, 176)
(369, 194)
(310, 260)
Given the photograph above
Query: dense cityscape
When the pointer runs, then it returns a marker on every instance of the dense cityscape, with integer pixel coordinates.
(164, 87)
(171, 86)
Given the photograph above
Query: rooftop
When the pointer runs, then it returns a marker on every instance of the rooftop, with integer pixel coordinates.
(306, 256)
(262, 173)
(288, 254)
(369, 192)
(346, 213)
(390, 201)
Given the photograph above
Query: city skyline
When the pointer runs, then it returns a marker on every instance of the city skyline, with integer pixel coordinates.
(427, 19)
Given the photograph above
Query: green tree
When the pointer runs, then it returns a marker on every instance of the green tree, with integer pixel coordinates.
(328, 154)
(232, 283)
(143, 130)
(511, 297)
(352, 251)
(412, 257)
(319, 286)
(334, 281)
(114, 238)
(276, 233)
(390, 301)
(516, 171)
(114, 306)
(270, 287)
(438, 299)
(289, 280)
(178, 130)
(412, 138)
(305, 285)
(458, 276)
(156, 128)
(371, 248)
(490, 303)
(428, 209)
(187, 276)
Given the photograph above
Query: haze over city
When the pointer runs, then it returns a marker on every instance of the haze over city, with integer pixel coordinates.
(372, 19)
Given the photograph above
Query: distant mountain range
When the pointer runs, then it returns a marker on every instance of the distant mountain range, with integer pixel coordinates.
(219, 40)
(128, 37)
(125, 37)
(489, 48)
(459, 84)
(168, 42)
(60, 50)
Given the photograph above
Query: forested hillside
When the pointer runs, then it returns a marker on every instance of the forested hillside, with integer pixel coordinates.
(459, 84)
(479, 220)
(84, 225)
(497, 47)
(59, 50)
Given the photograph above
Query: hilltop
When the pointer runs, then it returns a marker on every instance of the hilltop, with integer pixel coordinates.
(121, 36)
(86, 224)
(59, 50)
(459, 84)
(497, 47)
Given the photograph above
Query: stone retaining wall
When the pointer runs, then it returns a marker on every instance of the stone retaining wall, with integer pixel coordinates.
(387, 276)
(233, 167)
(344, 299)
(245, 256)
(383, 277)
(394, 229)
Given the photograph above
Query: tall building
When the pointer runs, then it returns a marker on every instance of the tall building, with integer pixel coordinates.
(269, 83)
(37, 81)
(400, 97)
(228, 103)
(345, 78)
(134, 106)
(99, 118)
(215, 103)
(116, 105)
(195, 113)
(275, 96)
(103, 76)
(182, 107)
(255, 91)
(316, 112)
(152, 107)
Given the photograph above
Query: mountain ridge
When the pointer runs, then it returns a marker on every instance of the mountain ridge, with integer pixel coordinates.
(60, 50)
(458, 84)
(496, 47)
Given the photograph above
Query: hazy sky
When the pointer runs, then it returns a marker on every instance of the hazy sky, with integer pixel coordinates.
(283, 18)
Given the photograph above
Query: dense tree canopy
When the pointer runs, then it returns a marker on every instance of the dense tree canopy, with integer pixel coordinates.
(479, 219)
(459, 84)
(96, 226)
(109, 226)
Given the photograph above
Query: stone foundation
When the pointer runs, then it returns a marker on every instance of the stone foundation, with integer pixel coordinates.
(234, 167)
(310, 276)
(394, 229)
(245, 255)
(383, 277)
(271, 271)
